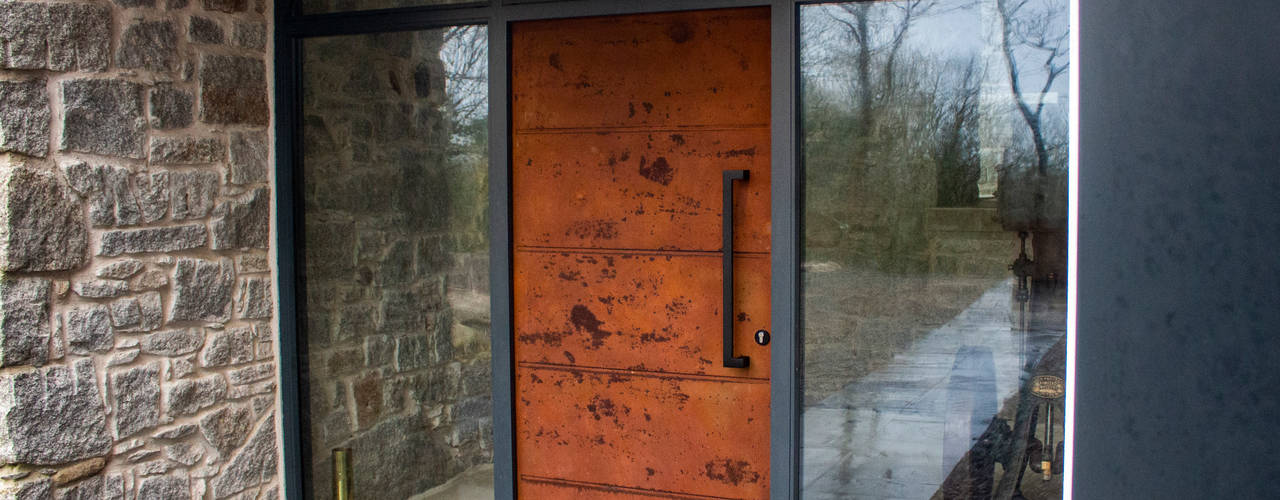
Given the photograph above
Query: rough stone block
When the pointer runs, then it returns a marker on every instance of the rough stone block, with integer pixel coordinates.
(173, 487)
(184, 453)
(101, 289)
(90, 488)
(233, 90)
(249, 153)
(111, 201)
(265, 341)
(250, 374)
(53, 416)
(192, 194)
(249, 466)
(173, 342)
(137, 398)
(38, 489)
(243, 223)
(252, 263)
(413, 352)
(182, 367)
(24, 321)
(233, 346)
(113, 487)
(42, 225)
(151, 309)
(78, 471)
(158, 239)
(205, 30)
(151, 280)
(89, 329)
(136, 3)
(118, 270)
(186, 150)
(226, 5)
(202, 290)
(379, 350)
(250, 35)
(149, 45)
(254, 299)
(24, 116)
(79, 36)
(187, 397)
(153, 195)
(171, 108)
(251, 390)
(227, 428)
(123, 357)
(125, 313)
(103, 117)
(24, 34)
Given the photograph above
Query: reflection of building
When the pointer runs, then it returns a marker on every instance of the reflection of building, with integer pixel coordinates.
(996, 106)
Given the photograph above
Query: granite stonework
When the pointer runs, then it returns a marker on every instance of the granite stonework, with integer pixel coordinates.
(137, 359)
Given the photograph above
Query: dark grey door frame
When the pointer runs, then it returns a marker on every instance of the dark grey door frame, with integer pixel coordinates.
(292, 27)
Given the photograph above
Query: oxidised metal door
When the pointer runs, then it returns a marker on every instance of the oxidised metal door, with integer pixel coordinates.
(623, 129)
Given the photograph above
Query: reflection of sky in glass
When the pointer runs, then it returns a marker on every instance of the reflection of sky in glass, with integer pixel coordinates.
(948, 30)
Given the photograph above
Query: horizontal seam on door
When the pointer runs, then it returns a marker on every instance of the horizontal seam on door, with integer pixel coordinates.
(618, 488)
(641, 373)
(634, 251)
(639, 129)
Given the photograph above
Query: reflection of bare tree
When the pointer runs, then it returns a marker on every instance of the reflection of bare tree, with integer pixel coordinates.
(465, 54)
(1039, 28)
(860, 28)
(955, 149)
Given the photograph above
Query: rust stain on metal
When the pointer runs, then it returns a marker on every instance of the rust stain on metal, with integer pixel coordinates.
(616, 276)
(731, 471)
(584, 320)
(660, 171)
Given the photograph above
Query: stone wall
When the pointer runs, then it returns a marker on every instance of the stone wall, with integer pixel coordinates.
(397, 337)
(137, 356)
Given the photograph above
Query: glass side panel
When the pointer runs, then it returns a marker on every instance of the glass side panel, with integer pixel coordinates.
(934, 264)
(330, 6)
(396, 351)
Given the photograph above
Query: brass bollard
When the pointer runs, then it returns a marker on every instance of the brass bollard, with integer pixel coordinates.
(342, 474)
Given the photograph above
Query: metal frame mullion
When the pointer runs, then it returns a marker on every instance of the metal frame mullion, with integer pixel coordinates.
(500, 253)
(289, 249)
(570, 9)
(388, 20)
(785, 417)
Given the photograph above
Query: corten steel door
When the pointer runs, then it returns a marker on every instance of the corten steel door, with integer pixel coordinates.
(623, 129)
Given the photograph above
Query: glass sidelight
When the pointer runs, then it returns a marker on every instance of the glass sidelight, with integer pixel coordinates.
(934, 137)
(395, 353)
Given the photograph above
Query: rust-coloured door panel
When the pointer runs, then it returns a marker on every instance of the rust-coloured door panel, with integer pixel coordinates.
(622, 127)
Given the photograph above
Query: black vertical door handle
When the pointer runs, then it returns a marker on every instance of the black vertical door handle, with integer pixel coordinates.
(727, 265)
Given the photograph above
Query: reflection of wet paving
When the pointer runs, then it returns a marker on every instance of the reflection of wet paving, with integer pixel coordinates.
(475, 483)
(897, 432)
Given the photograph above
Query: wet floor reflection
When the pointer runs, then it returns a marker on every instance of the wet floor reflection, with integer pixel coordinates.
(901, 430)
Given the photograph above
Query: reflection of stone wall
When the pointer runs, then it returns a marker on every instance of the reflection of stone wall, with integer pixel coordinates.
(136, 349)
(969, 242)
(397, 327)
(879, 222)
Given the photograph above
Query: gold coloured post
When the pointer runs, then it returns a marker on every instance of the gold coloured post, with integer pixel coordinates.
(342, 473)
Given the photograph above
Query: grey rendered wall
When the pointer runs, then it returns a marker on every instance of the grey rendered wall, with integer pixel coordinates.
(1178, 390)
